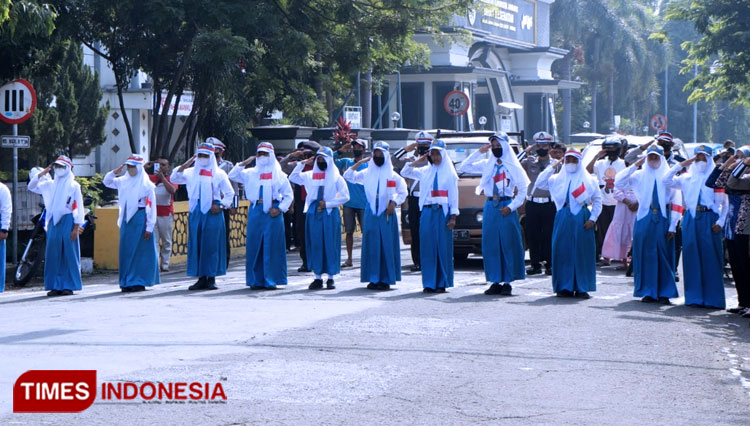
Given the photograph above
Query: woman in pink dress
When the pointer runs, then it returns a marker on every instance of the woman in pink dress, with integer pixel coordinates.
(619, 236)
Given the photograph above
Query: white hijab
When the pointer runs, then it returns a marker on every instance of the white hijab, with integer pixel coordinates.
(580, 185)
(270, 177)
(202, 179)
(327, 179)
(695, 185)
(382, 176)
(447, 178)
(649, 176)
(511, 163)
(132, 189)
(61, 199)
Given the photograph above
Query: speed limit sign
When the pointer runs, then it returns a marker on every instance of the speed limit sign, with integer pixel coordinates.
(456, 103)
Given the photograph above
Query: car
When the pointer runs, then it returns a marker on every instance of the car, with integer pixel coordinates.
(467, 235)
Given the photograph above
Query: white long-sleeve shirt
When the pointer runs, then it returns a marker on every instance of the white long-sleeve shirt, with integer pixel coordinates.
(148, 203)
(222, 188)
(718, 202)
(628, 179)
(6, 208)
(475, 164)
(306, 179)
(550, 174)
(282, 193)
(419, 173)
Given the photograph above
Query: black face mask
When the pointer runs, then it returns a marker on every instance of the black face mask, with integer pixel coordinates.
(612, 156)
(379, 161)
(667, 149)
(322, 165)
(497, 152)
(542, 152)
(358, 153)
(422, 150)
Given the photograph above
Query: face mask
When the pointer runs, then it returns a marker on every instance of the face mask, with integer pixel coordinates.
(263, 161)
(654, 164)
(571, 167)
(322, 165)
(667, 149)
(422, 150)
(497, 152)
(612, 156)
(132, 171)
(61, 172)
(542, 152)
(379, 161)
(358, 153)
(701, 166)
(202, 162)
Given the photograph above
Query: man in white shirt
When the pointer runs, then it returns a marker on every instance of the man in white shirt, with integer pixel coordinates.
(6, 210)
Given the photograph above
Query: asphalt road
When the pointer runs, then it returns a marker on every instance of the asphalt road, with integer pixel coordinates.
(354, 356)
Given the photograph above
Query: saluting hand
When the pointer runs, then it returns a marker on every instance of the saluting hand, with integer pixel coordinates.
(485, 148)
(249, 160)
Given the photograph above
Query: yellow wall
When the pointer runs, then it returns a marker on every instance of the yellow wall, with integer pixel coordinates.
(107, 235)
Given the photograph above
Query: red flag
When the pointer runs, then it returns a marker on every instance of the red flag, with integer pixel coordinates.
(391, 184)
(266, 176)
(678, 208)
(499, 177)
(580, 190)
(319, 176)
(439, 193)
(205, 172)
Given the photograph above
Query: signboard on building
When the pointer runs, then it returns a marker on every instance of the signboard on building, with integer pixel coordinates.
(511, 19)
(186, 104)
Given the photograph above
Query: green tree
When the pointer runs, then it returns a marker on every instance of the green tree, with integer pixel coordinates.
(26, 27)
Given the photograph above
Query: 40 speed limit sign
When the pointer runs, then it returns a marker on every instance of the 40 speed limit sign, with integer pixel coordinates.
(456, 103)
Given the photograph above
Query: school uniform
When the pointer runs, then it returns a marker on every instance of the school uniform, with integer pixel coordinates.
(6, 211)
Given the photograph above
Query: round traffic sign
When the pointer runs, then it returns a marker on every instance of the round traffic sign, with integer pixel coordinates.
(456, 103)
(658, 122)
(17, 101)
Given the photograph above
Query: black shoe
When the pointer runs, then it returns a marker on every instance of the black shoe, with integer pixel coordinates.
(440, 290)
(428, 290)
(54, 293)
(664, 301)
(506, 290)
(66, 292)
(316, 285)
(415, 268)
(199, 285)
(256, 287)
(648, 299)
(211, 284)
(548, 271)
(533, 271)
(126, 289)
(383, 286)
(564, 293)
(582, 295)
(737, 310)
(372, 286)
(330, 285)
(746, 314)
(495, 288)
(303, 268)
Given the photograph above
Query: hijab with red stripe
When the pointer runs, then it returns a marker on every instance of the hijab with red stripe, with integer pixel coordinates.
(647, 177)
(57, 200)
(327, 179)
(509, 160)
(447, 177)
(201, 182)
(270, 177)
(382, 177)
(579, 185)
(132, 189)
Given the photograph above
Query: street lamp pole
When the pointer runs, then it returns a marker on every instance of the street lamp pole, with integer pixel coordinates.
(695, 111)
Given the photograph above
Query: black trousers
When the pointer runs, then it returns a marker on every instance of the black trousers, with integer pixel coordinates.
(288, 231)
(299, 227)
(602, 225)
(739, 260)
(414, 215)
(540, 219)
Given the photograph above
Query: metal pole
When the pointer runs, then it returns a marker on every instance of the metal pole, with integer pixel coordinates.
(666, 93)
(400, 107)
(695, 112)
(14, 255)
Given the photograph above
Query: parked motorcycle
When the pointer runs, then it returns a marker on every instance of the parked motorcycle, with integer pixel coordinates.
(33, 254)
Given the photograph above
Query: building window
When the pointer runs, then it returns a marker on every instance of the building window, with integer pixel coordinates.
(412, 102)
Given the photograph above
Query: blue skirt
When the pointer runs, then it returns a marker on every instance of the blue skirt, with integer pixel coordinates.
(573, 252)
(62, 257)
(323, 240)
(703, 260)
(138, 258)
(265, 258)
(502, 246)
(207, 248)
(653, 258)
(381, 251)
(435, 248)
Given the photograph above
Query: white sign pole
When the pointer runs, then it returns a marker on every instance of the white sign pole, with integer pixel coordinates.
(14, 256)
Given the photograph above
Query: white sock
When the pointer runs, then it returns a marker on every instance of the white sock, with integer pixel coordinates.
(318, 276)
(330, 277)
